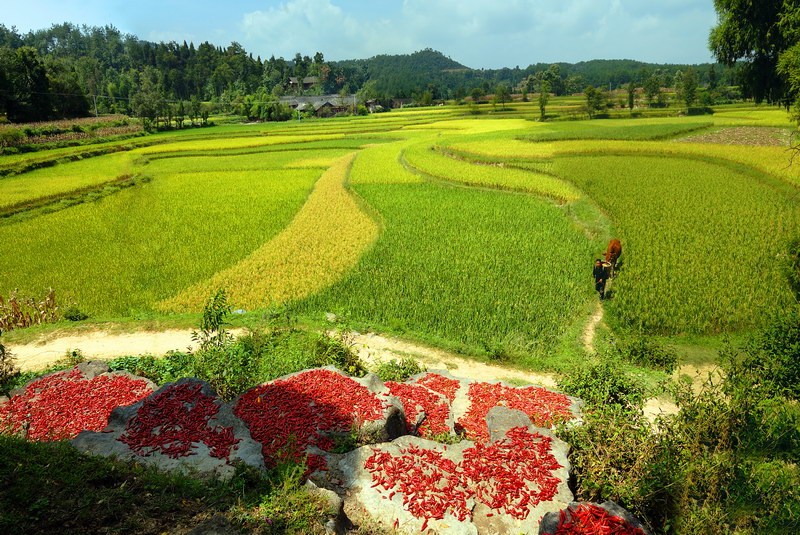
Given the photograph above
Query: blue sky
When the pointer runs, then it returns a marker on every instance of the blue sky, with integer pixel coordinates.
(479, 34)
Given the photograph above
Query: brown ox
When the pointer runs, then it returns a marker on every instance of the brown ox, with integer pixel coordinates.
(613, 251)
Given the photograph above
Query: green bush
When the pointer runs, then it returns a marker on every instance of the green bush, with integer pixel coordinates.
(602, 384)
(337, 350)
(73, 313)
(646, 351)
(398, 371)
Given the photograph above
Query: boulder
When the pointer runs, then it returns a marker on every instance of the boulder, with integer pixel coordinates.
(182, 426)
(413, 484)
(314, 412)
(607, 514)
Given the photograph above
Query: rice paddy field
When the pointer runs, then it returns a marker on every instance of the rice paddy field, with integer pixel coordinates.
(471, 231)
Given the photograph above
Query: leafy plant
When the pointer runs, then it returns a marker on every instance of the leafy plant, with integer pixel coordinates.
(8, 368)
(337, 350)
(212, 325)
(646, 351)
(603, 384)
(399, 371)
(73, 313)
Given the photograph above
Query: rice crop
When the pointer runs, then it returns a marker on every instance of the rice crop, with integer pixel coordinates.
(381, 165)
(62, 179)
(125, 252)
(324, 241)
(482, 268)
(700, 241)
(437, 165)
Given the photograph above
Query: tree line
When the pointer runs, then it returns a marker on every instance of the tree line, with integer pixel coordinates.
(71, 71)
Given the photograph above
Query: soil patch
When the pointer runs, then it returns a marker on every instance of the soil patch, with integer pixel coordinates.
(743, 135)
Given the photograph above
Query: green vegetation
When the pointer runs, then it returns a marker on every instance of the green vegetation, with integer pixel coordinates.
(681, 273)
(466, 267)
(726, 463)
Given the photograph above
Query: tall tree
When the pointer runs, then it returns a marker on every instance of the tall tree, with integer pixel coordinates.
(595, 100)
(544, 98)
(690, 83)
(631, 95)
(757, 34)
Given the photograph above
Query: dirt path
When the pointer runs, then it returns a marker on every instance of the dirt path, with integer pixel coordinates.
(374, 349)
(99, 345)
(591, 328)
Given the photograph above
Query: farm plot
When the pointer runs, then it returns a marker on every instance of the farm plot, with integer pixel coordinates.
(486, 269)
(127, 251)
(423, 158)
(324, 241)
(52, 182)
(701, 241)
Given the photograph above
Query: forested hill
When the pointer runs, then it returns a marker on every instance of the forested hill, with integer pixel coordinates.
(69, 71)
(405, 74)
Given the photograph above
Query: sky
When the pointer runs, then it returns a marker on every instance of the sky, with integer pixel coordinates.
(478, 34)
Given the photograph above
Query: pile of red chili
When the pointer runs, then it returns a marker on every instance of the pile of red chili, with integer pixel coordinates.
(589, 519)
(430, 484)
(175, 421)
(435, 407)
(289, 415)
(439, 383)
(510, 476)
(545, 408)
(61, 405)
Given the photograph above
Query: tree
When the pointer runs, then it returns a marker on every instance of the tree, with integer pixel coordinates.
(148, 101)
(757, 34)
(476, 94)
(595, 100)
(29, 99)
(544, 97)
(690, 84)
(502, 94)
(652, 90)
(631, 95)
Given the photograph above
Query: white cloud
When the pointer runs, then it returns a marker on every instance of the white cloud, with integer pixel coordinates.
(308, 26)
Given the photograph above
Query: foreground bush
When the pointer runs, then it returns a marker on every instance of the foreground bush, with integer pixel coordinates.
(726, 463)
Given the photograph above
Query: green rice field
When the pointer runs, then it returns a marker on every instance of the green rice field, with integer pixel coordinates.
(472, 231)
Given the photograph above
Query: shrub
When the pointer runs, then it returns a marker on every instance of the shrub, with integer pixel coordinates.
(8, 368)
(73, 313)
(603, 384)
(645, 351)
(398, 371)
(337, 350)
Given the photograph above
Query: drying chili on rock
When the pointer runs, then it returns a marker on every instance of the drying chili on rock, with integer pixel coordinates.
(543, 407)
(513, 474)
(61, 405)
(434, 406)
(589, 519)
(510, 476)
(439, 383)
(174, 421)
(288, 415)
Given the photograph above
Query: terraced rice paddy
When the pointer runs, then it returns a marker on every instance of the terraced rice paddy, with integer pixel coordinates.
(475, 231)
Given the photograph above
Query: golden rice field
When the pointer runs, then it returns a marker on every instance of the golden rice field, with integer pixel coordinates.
(477, 231)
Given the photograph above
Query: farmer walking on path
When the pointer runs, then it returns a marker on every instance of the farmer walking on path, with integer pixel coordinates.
(600, 276)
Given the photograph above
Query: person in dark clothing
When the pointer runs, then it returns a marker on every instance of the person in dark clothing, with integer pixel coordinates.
(600, 276)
